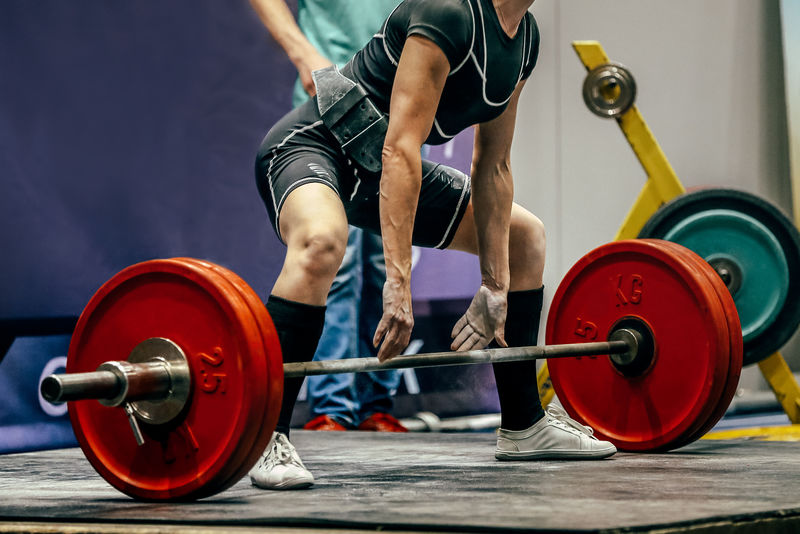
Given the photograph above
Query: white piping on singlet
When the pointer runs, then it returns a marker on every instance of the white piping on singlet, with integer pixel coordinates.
(439, 130)
(382, 37)
(392, 60)
(482, 72)
(464, 62)
(275, 204)
(458, 208)
(471, 44)
(358, 182)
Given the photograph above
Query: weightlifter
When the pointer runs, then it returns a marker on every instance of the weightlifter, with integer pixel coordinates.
(353, 154)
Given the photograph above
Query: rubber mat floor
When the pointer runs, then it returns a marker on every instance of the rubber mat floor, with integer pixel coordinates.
(442, 482)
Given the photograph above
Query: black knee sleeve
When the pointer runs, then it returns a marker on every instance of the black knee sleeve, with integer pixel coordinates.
(299, 328)
(516, 381)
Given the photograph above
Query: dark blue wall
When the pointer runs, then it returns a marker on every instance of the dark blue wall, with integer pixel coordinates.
(128, 132)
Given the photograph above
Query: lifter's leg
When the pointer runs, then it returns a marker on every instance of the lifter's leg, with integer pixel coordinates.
(526, 432)
(516, 381)
(314, 227)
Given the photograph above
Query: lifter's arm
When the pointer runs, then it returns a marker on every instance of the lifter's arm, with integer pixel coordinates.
(278, 19)
(492, 198)
(421, 74)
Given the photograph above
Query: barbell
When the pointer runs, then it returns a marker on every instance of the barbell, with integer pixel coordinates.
(116, 382)
(643, 341)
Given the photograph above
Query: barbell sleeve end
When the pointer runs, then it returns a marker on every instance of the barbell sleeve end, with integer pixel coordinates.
(113, 383)
(68, 387)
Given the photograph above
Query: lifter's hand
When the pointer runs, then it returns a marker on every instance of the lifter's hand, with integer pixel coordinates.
(306, 65)
(397, 321)
(485, 320)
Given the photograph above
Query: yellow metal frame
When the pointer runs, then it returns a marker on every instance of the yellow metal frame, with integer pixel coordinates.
(661, 186)
(768, 433)
(662, 183)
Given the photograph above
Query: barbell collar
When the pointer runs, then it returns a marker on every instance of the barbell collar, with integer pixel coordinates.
(441, 359)
(139, 381)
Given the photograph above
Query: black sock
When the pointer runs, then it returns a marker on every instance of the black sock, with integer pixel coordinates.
(299, 328)
(516, 381)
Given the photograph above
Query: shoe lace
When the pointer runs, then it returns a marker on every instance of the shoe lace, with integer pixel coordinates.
(560, 415)
(282, 452)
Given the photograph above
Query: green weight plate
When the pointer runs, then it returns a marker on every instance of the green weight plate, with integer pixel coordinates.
(756, 250)
(747, 256)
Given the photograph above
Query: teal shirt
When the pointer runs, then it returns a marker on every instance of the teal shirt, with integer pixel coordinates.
(339, 28)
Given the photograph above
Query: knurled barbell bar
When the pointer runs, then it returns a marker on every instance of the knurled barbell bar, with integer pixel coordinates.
(202, 385)
(116, 383)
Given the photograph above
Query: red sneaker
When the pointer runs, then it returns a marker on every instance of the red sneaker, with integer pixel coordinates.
(324, 422)
(382, 422)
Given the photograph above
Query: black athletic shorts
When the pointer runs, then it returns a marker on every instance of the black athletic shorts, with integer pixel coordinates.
(299, 149)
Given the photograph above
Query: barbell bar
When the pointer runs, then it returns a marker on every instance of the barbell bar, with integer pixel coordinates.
(622, 349)
(120, 382)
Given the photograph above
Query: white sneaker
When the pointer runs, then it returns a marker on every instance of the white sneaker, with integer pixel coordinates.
(280, 468)
(555, 437)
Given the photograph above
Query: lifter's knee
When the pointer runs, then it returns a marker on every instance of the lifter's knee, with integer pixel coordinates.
(526, 250)
(529, 234)
(318, 253)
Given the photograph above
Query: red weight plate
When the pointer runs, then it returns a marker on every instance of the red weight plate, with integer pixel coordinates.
(272, 358)
(192, 456)
(656, 409)
(237, 466)
(716, 389)
(735, 337)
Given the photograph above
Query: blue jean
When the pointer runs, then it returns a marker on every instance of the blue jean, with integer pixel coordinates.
(355, 305)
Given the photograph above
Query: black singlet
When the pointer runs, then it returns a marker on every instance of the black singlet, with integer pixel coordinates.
(485, 63)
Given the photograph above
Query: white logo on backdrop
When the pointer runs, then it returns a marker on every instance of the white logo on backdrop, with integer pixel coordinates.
(53, 410)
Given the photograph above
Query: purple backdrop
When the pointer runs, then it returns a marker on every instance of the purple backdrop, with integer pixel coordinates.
(128, 132)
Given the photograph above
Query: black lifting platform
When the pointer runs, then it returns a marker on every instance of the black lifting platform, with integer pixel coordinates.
(434, 483)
